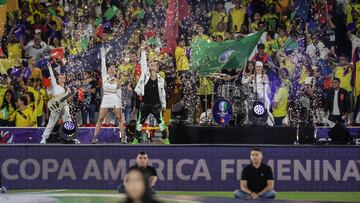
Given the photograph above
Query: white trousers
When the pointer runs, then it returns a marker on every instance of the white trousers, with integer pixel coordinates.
(54, 117)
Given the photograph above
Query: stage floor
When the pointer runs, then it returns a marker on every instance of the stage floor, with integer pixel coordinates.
(190, 135)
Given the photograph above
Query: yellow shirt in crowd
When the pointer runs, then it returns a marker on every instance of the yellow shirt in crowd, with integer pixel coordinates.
(6, 113)
(237, 18)
(215, 34)
(288, 65)
(24, 119)
(268, 46)
(203, 37)
(216, 18)
(2, 93)
(303, 75)
(281, 41)
(36, 73)
(345, 77)
(14, 51)
(281, 98)
(40, 105)
(205, 87)
(182, 62)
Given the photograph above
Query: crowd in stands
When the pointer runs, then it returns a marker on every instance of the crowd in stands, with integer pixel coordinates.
(300, 55)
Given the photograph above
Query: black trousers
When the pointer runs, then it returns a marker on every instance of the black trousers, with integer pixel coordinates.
(278, 121)
(336, 118)
(146, 109)
(357, 108)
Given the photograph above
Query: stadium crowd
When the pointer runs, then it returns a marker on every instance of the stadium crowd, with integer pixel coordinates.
(302, 51)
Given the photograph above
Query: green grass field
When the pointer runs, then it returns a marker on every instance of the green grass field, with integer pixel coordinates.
(111, 196)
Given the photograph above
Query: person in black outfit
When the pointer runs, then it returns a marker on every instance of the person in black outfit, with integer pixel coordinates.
(257, 181)
(337, 102)
(151, 91)
(149, 172)
(90, 99)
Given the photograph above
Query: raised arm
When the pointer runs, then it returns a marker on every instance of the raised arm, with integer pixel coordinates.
(52, 76)
(143, 62)
(104, 74)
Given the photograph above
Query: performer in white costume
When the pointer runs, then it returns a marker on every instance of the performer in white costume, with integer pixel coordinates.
(57, 90)
(261, 88)
(111, 97)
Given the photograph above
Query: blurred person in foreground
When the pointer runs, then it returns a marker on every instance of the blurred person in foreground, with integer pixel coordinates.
(257, 180)
(149, 172)
(137, 187)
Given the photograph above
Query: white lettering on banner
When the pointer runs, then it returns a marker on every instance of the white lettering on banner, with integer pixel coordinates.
(240, 163)
(351, 171)
(335, 173)
(298, 168)
(224, 169)
(170, 171)
(36, 169)
(66, 170)
(46, 169)
(201, 170)
(5, 169)
(92, 170)
(179, 167)
(317, 170)
(282, 169)
(183, 169)
(109, 169)
(160, 167)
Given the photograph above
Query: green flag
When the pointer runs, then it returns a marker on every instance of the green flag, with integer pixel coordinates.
(111, 12)
(141, 14)
(209, 57)
(52, 11)
(290, 44)
(98, 21)
(2, 2)
(149, 2)
(84, 43)
(152, 41)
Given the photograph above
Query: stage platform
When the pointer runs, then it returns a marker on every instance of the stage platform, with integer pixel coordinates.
(191, 135)
(179, 167)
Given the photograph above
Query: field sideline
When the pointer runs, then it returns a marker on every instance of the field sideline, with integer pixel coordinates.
(300, 196)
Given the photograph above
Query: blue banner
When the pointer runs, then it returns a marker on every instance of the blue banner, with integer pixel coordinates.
(179, 168)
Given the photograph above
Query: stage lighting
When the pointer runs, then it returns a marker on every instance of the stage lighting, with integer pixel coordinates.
(259, 109)
(68, 131)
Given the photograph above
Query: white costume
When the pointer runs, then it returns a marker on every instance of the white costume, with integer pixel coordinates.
(55, 91)
(261, 87)
(111, 94)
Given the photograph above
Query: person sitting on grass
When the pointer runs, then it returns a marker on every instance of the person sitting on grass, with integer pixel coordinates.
(257, 180)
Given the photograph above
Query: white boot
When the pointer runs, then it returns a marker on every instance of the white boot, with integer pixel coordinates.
(43, 140)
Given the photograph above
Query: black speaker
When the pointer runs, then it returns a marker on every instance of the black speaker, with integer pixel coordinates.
(339, 134)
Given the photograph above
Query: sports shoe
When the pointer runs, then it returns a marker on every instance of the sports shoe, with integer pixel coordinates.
(76, 141)
(94, 140)
(164, 134)
(123, 140)
(3, 189)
